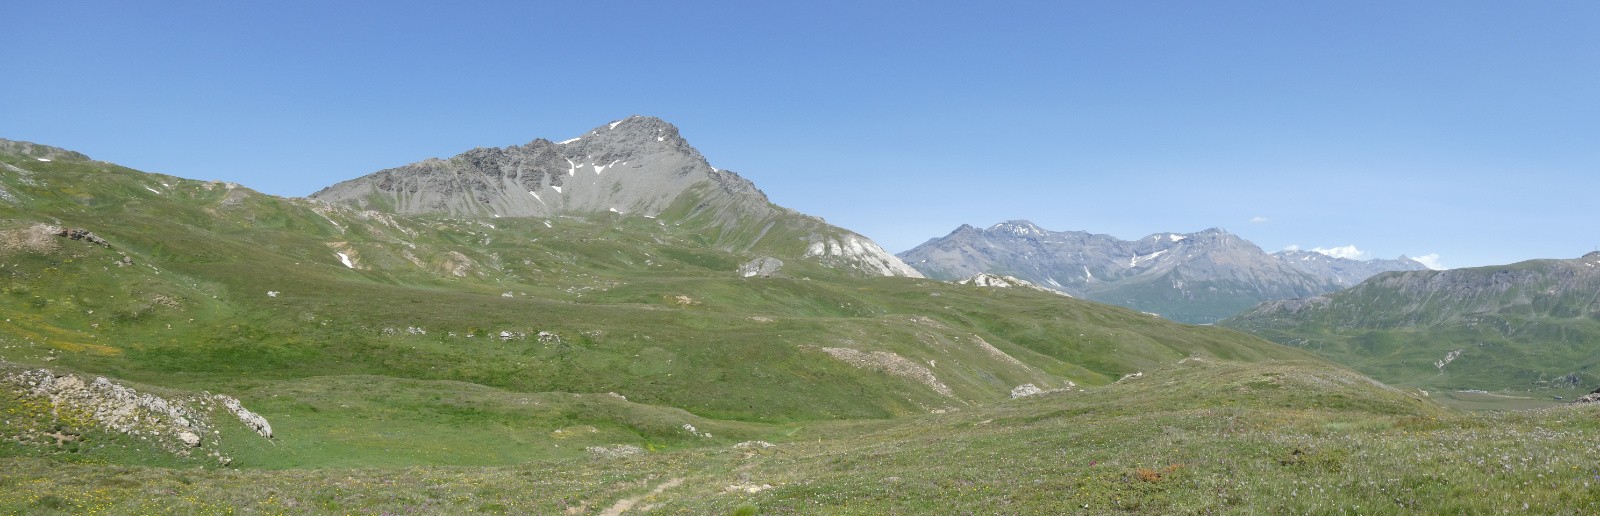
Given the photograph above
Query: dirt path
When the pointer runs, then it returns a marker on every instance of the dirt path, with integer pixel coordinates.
(627, 503)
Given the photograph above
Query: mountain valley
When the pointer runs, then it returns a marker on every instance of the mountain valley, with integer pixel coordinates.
(608, 324)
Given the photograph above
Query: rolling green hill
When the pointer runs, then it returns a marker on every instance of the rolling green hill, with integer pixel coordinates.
(209, 286)
(605, 362)
(1529, 326)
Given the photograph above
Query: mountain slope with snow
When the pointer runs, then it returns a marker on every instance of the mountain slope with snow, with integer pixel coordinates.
(1191, 277)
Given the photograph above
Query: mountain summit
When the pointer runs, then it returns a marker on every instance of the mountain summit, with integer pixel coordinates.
(1195, 277)
(637, 166)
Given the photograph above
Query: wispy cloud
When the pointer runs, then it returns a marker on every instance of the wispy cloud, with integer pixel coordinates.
(1258, 219)
(1348, 251)
(1292, 247)
(1430, 260)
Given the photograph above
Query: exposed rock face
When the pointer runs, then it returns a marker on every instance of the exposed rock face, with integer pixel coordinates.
(857, 252)
(764, 266)
(1190, 277)
(985, 279)
(638, 166)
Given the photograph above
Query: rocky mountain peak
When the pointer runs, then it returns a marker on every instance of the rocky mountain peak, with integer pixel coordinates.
(636, 166)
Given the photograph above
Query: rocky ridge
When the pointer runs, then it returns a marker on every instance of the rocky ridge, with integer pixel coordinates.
(1195, 277)
(1528, 325)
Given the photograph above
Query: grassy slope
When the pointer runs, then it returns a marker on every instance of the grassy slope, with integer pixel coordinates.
(638, 307)
(1202, 436)
(1517, 339)
(440, 422)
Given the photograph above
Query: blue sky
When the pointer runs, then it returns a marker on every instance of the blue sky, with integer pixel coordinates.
(1469, 130)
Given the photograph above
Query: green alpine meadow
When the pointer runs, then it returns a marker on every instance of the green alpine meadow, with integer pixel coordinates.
(608, 325)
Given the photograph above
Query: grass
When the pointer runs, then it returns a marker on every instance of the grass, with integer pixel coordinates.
(1525, 329)
(391, 389)
(1199, 437)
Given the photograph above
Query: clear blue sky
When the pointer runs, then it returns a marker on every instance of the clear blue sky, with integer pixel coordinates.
(1470, 130)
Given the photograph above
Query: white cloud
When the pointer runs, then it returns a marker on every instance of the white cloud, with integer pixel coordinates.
(1292, 247)
(1257, 219)
(1347, 252)
(1431, 261)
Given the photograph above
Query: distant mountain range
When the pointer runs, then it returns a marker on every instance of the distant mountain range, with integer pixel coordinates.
(636, 166)
(1529, 325)
(1189, 277)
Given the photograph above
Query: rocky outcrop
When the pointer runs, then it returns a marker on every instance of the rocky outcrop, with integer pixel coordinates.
(1025, 390)
(984, 279)
(66, 402)
(858, 252)
(250, 419)
(764, 266)
(41, 238)
(80, 234)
